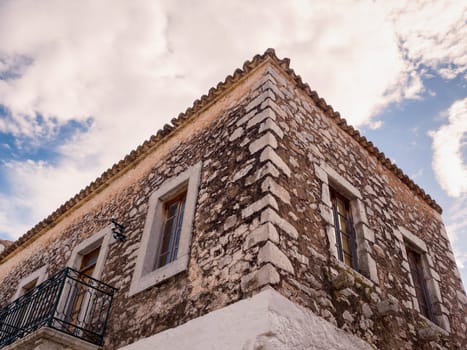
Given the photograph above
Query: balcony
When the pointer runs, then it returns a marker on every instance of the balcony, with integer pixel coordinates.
(74, 304)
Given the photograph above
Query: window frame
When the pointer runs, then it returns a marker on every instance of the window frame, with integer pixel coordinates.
(340, 232)
(103, 239)
(364, 236)
(39, 276)
(423, 296)
(407, 239)
(145, 275)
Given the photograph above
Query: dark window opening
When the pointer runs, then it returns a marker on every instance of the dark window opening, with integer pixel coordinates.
(88, 262)
(418, 278)
(171, 229)
(345, 233)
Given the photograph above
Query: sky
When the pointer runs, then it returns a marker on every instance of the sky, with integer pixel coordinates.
(84, 82)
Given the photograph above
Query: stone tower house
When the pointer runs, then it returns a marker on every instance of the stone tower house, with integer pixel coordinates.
(258, 219)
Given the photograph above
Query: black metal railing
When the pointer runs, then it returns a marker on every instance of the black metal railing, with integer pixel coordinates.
(69, 301)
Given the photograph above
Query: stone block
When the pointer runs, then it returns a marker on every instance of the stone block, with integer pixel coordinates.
(262, 233)
(266, 275)
(405, 265)
(230, 222)
(343, 280)
(262, 81)
(365, 232)
(274, 106)
(270, 253)
(277, 76)
(270, 155)
(428, 334)
(435, 275)
(358, 212)
(236, 134)
(321, 174)
(347, 316)
(269, 85)
(416, 241)
(260, 99)
(269, 215)
(325, 194)
(265, 170)
(242, 172)
(326, 214)
(462, 298)
(366, 310)
(388, 307)
(433, 289)
(246, 117)
(266, 201)
(443, 321)
(269, 124)
(259, 117)
(331, 235)
(267, 139)
(269, 185)
(371, 268)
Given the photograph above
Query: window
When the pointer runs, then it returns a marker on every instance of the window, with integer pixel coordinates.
(165, 244)
(79, 296)
(23, 311)
(30, 281)
(88, 262)
(346, 225)
(423, 288)
(419, 283)
(89, 256)
(345, 233)
(173, 220)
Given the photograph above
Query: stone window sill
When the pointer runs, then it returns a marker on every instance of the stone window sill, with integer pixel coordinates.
(433, 326)
(357, 275)
(160, 275)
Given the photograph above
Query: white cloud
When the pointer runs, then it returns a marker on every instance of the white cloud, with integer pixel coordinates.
(134, 65)
(38, 188)
(432, 33)
(448, 142)
(376, 124)
(456, 227)
(417, 174)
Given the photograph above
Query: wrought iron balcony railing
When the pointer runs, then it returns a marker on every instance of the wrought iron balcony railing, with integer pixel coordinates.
(69, 301)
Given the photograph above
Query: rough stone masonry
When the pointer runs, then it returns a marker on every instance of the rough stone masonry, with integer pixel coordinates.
(270, 149)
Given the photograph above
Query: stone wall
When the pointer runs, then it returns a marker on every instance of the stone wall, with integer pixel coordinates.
(378, 303)
(266, 321)
(267, 152)
(217, 261)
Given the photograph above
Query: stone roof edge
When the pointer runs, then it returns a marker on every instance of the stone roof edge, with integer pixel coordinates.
(198, 105)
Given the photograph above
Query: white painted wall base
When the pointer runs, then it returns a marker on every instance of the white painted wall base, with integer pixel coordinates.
(266, 321)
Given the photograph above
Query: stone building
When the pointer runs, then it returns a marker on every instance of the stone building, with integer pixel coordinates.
(258, 219)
